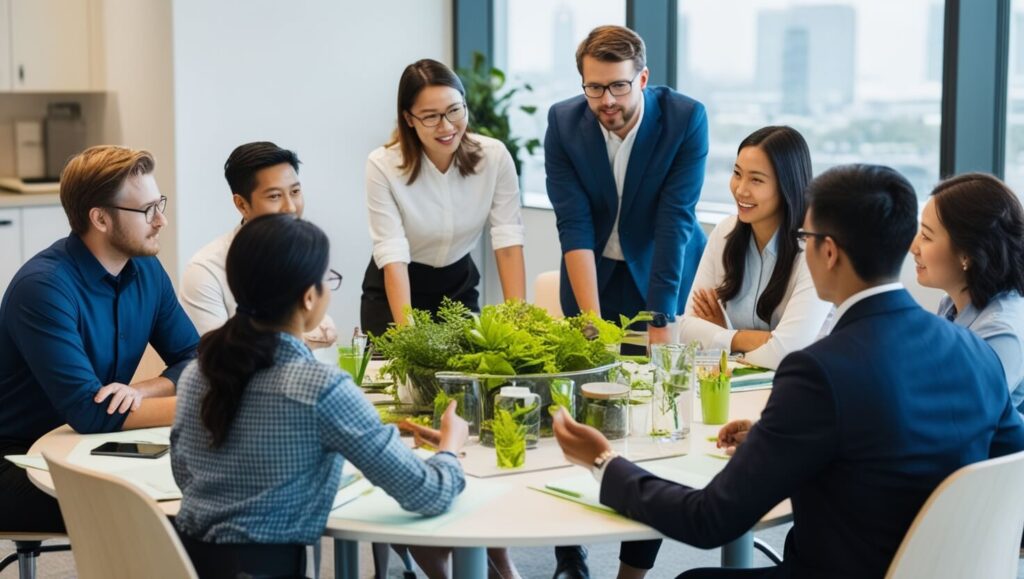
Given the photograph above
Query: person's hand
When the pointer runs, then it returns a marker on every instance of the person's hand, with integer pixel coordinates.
(580, 443)
(454, 430)
(658, 335)
(452, 436)
(122, 398)
(706, 307)
(733, 434)
(323, 336)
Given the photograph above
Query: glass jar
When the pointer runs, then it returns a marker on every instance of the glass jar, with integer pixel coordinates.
(465, 390)
(606, 408)
(674, 380)
(516, 425)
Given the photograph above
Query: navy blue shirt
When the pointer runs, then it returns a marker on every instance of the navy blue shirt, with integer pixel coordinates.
(68, 327)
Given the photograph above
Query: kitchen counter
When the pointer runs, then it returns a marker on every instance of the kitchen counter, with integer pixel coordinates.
(14, 200)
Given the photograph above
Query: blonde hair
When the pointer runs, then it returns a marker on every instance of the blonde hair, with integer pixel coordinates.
(94, 177)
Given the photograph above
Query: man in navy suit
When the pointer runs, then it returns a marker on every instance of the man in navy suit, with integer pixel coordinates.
(860, 427)
(625, 165)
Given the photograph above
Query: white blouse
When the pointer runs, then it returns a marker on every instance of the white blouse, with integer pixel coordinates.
(795, 323)
(440, 217)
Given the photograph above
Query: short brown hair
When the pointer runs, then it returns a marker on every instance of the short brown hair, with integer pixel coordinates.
(94, 177)
(612, 44)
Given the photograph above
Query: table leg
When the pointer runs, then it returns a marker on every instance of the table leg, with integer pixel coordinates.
(469, 562)
(346, 559)
(739, 554)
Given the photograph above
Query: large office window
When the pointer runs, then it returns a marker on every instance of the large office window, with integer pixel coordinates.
(538, 47)
(861, 79)
(1014, 172)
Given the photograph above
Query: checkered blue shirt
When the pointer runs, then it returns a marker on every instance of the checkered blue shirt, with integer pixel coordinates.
(274, 478)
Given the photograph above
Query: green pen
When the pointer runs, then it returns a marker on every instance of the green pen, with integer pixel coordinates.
(712, 439)
(565, 492)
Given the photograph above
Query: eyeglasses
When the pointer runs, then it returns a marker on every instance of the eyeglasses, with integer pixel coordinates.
(617, 88)
(149, 211)
(454, 115)
(333, 280)
(801, 237)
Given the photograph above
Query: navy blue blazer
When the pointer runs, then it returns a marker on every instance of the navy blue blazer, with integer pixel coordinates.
(658, 230)
(859, 429)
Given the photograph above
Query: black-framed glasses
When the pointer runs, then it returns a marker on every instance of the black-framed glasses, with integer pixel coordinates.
(617, 88)
(454, 114)
(149, 211)
(801, 236)
(333, 280)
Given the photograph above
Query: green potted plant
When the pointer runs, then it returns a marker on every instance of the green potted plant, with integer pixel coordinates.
(489, 100)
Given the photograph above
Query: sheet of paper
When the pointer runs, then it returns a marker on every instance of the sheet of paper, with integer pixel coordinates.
(377, 507)
(693, 470)
(28, 461)
(152, 475)
(481, 461)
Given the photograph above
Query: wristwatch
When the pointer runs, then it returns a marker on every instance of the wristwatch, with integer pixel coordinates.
(658, 320)
(603, 459)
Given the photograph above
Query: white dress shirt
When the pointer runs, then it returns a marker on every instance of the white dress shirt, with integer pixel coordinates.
(438, 219)
(619, 150)
(794, 324)
(207, 299)
(859, 296)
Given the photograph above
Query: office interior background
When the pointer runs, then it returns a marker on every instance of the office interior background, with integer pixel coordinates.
(931, 88)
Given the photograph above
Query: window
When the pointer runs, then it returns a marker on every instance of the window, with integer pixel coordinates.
(539, 48)
(860, 79)
(1014, 171)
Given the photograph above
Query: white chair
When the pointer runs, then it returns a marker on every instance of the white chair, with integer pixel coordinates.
(118, 532)
(27, 548)
(970, 526)
(545, 293)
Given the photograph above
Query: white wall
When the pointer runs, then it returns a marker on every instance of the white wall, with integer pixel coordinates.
(319, 77)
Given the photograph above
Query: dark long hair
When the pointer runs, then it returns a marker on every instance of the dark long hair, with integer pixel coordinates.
(791, 160)
(271, 264)
(416, 77)
(985, 221)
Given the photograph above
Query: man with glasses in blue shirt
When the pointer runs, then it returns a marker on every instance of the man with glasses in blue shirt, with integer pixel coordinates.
(77, 317)
(625, 166)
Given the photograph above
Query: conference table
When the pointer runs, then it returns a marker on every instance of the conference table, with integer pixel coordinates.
(499, 511)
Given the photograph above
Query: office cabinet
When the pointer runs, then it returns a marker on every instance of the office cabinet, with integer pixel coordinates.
(40, 227)
(10, 245)
(49, 45)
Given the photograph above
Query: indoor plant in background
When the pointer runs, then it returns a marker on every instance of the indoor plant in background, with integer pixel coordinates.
(489, 100)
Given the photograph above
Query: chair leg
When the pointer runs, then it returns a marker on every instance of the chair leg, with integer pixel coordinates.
(26, 553)
(765, 548)
(381, 555)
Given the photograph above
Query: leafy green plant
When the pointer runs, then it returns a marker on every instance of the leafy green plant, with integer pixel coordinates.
(425, 342)
(561, 397)
(489, 100)
(509, 440)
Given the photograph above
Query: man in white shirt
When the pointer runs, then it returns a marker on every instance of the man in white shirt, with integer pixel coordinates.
(264, 179)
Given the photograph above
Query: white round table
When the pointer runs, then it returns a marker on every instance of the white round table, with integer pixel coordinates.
(516, 517)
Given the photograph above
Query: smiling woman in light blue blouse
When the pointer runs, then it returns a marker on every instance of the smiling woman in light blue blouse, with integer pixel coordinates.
(971, 246)
(262, 429)
(753, 293)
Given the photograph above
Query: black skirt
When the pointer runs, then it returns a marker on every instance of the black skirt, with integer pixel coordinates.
(427, 285)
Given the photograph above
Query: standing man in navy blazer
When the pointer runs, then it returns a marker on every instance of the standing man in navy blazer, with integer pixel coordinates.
(860, 427)
(625, 165)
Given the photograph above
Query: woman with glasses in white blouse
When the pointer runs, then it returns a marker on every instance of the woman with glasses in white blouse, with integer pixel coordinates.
(753, 293)
(430, 192)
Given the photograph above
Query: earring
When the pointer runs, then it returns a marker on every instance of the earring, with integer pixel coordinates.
(965, 266)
